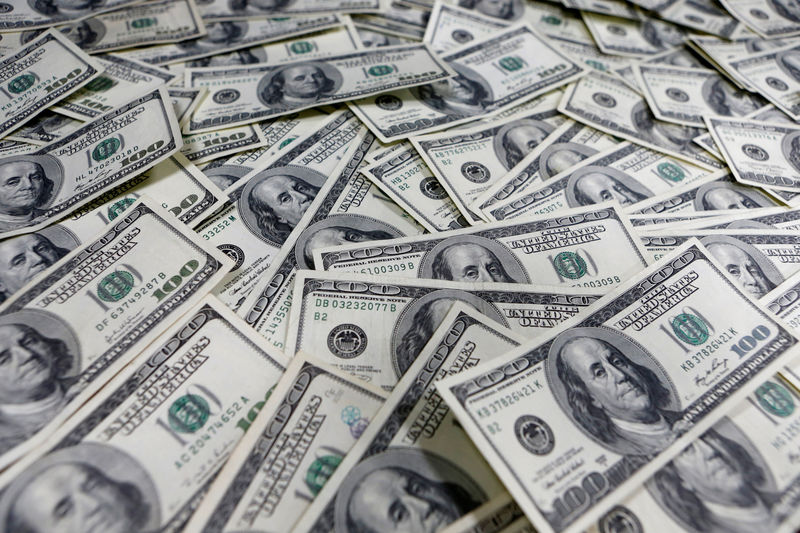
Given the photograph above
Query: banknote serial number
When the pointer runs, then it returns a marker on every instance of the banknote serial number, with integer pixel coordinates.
(384, 269)
(610, 280)
(354, 305)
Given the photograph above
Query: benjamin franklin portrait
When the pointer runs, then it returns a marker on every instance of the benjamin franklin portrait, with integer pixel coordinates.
(299, 84)
(335, 230)
(501, 9)
(24, 257)
(86, 488)
(28, 184)
(560, 157)
(85, 33)
(518, 138)
(465, 94)
(662, 34)
(273, 201)
(789, 62)
(69, 8)
(472, 258)
(726, 100)
(258, 6)
(788, 9)
(39, 359)
(404, 490)
(594, 184)
(718, 484)
(613, 389)
(755, 274)
(721, 195)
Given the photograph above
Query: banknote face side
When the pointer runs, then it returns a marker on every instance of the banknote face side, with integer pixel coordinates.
(619, 391)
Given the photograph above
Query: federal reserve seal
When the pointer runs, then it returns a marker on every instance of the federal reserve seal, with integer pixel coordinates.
(431, 188)
(775, 83)
(387, 102)
(755, 152)
(226, 96)
(534, 434)
(235, 253)
(604, 99)
(619, 519)
(347, 341)
(475, 172)
(677, 94)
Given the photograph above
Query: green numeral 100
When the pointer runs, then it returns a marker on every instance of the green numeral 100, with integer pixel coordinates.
(175, 281)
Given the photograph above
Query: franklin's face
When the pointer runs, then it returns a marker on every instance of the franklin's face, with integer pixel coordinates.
(503, 9)
(676, 132)
(472, 262)
(73, 4)
(792, 6)
(525, 138)
(401, 501)
(26, 363)
(79, 33)
(21, 258)
(601, 188)
(742, 267)
(668, 34)
(707, 468)
(220, 32)
(613, 383)
(223, 181)
(287, 196)
(335, 236)
(21, 184)
(456, 89)
(71, 498)
(721, 198)
(303, 81)
(371, 39)
(563, 160)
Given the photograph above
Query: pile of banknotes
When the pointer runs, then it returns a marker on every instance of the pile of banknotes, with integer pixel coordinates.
(399, 266)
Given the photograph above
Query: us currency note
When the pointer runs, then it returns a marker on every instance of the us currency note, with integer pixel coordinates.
(346, 321)
(46, 127)
(565, 147)
(265, 207)
(227, 36)
(757, 259)
(768, 113)
(122, 81)
(718, 193)
(566, 250)
(776, 75)
(371, 37)
(210, 145)
(720, 52)
(62, 176)
(405, 178)
(415, 444)
(41, 73)
(176, 396)
(216, 10)
(467, 161)
(176, 184)
(626, 173)
(611, 106)
(93, 311)
(759, 153)
(145, 24)
(784, 301)
(32, 15)
(633, 38)
(552, 404)
(450, 27)
(491, 517)
(274, 474)
(279, 132)
(774, 218)
(706, 16)
(351, 210)
(761, 481)
(677, 57)
(240, 95)
(490, 76)
(777, 18)
(591, 55)
(686, 95)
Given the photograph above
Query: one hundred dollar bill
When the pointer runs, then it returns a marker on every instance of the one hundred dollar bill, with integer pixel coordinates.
(615, 393)
(46, 127)
(351, 210)
(768, 113)
(215, 10)
(686, 95)
(375, 327)
(312, 419)
(611, 106)
(492, 74)
(635, 38)
(769, 218)
(760, 487)
(565, 147)
(570, 249)
(60, 177)
(41, 73)
(144, 24)
(92, 312)
(240, 95)
(32, 15)
(626, 173)
(704, 15)
(122, 81)
(406, 179)
(775, 74)
(224, 37)
(720, 52)
(202, 147)
(759, 153)
(718, 193)
(415, 445)
(175, 183)
(758, 260)
(770, 20)
(467, 161)
(450, 27)
(177, 398)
